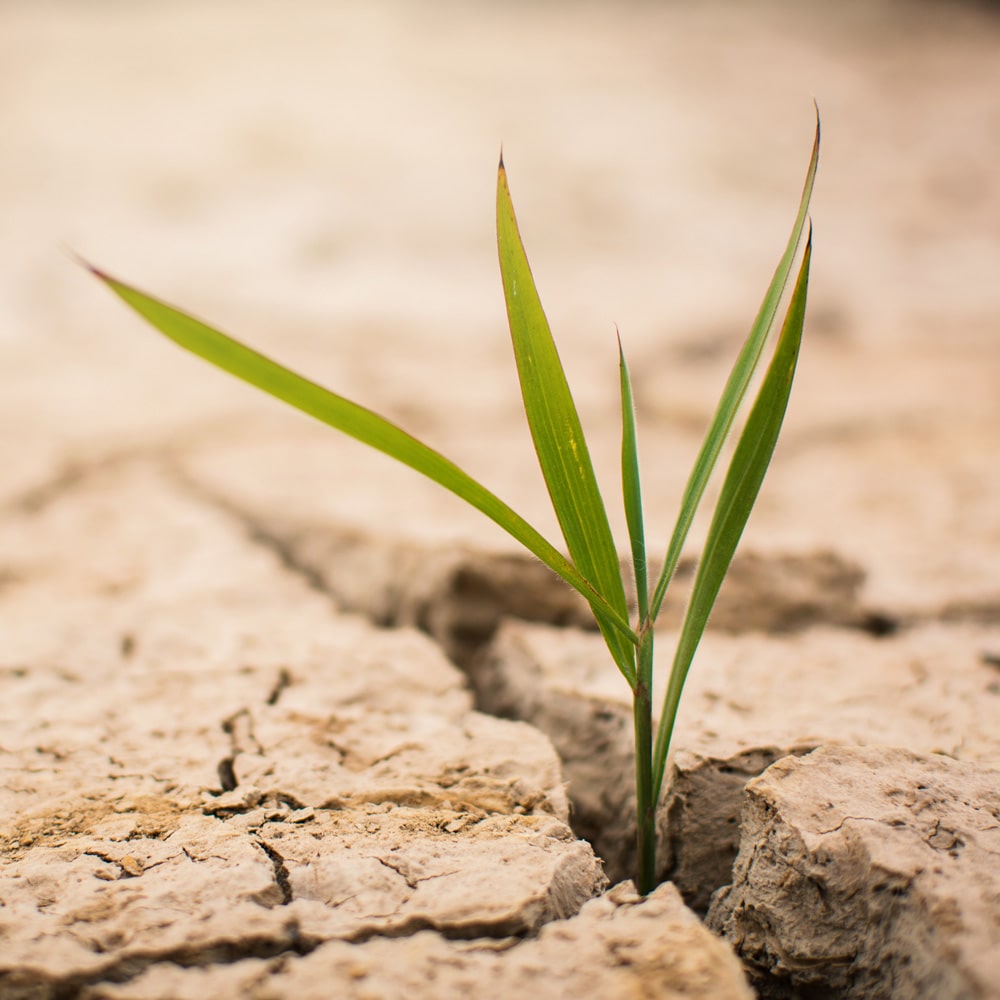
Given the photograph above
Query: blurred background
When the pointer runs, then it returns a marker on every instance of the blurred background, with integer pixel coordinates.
(318, 178)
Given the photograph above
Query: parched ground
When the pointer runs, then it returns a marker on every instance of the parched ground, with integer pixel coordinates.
(234, 646)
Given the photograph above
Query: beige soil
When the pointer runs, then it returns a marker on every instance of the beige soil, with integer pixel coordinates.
(318, 179)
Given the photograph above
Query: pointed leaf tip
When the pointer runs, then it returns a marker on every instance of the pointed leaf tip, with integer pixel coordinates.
(84, 263)
(362, 424)
(555, 427)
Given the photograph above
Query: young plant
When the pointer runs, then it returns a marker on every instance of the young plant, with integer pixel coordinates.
(593, 567)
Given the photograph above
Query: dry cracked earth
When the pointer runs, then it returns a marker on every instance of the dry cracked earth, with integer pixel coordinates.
(278, 719)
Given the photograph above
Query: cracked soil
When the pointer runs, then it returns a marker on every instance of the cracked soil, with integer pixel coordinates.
(279, 719)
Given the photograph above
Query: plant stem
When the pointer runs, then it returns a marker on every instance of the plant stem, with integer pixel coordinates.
(645, 794)
(666, 729)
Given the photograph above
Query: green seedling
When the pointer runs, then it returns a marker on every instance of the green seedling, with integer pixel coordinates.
(593, 567)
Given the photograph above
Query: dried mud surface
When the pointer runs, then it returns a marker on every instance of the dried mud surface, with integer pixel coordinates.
(275, 713)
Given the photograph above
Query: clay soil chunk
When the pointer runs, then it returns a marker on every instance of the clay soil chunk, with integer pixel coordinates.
(228, 765)
(750, 699)
(618, 947)
(869, 873)
(203, 760)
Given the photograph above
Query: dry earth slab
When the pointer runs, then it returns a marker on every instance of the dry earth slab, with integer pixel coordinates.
(203, 759)
(750, 700)
(205, 762)
(870, 873)
(794, 659)
(617, 946)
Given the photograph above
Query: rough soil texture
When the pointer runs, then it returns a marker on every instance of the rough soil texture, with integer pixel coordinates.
(250, 674)
(894, 851)
(203, 762)
(617, 946)
(749, 702)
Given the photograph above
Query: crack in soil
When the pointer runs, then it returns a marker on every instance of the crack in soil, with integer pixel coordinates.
(281, 876)
(71, 473)
(474, 630)
(283, 682)
(36, 983)
(128, 866)
(400, 866)
(257, 533)
(227, 774)
(499, 930)
(239, 728)
(463, 613)
(278, 804)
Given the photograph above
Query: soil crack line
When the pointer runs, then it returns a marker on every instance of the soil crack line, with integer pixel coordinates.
(239, 728)
(283, 682)
(257, 532)
(70, 474)
(132, 965)
(281, 876)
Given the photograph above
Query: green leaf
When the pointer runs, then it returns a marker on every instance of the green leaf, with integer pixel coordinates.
(555, 425)
(735, 389)
(747, 468)
(362, 424)
(631, 490)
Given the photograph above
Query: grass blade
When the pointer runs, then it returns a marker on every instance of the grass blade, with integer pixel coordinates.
(554, 423)
(362, 424)
(739, 492)
(736, 387)
(631, 489)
